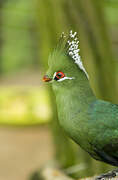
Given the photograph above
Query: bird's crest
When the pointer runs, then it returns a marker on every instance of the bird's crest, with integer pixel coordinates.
(70, 45)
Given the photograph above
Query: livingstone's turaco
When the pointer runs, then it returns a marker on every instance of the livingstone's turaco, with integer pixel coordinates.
(92, 123)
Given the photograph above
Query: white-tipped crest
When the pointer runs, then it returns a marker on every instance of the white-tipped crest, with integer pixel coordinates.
(73, 50)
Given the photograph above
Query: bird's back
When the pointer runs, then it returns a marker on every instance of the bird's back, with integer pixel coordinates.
(103, 130)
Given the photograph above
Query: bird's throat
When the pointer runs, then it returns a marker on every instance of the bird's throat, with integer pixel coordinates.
(72, 105)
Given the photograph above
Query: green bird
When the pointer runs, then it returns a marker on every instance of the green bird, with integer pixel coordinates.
(92, 123)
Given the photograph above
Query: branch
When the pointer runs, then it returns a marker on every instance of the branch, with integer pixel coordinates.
(51, 173)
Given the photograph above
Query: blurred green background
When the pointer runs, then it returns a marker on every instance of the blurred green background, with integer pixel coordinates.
(29, 29)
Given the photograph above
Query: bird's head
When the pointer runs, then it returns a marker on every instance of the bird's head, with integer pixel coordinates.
(64, 61)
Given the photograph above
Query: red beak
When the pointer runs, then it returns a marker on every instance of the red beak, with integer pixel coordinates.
(46, 79)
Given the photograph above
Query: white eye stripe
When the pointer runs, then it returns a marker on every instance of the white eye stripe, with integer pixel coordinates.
(65, 78)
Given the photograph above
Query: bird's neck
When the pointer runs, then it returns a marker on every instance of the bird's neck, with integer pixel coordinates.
(72, 104)
(79, 93)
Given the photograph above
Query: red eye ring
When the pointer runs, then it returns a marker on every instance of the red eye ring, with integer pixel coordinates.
(59, 75)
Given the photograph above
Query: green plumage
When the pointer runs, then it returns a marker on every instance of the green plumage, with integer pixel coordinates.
(91, 123)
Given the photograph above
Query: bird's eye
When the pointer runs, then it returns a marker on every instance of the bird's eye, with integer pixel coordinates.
(59, 75)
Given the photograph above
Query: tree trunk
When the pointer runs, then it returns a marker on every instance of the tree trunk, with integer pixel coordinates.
(49, 28)
(1, 38)
(87, 18)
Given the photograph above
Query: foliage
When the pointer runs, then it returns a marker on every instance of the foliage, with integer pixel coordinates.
(20, 106)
